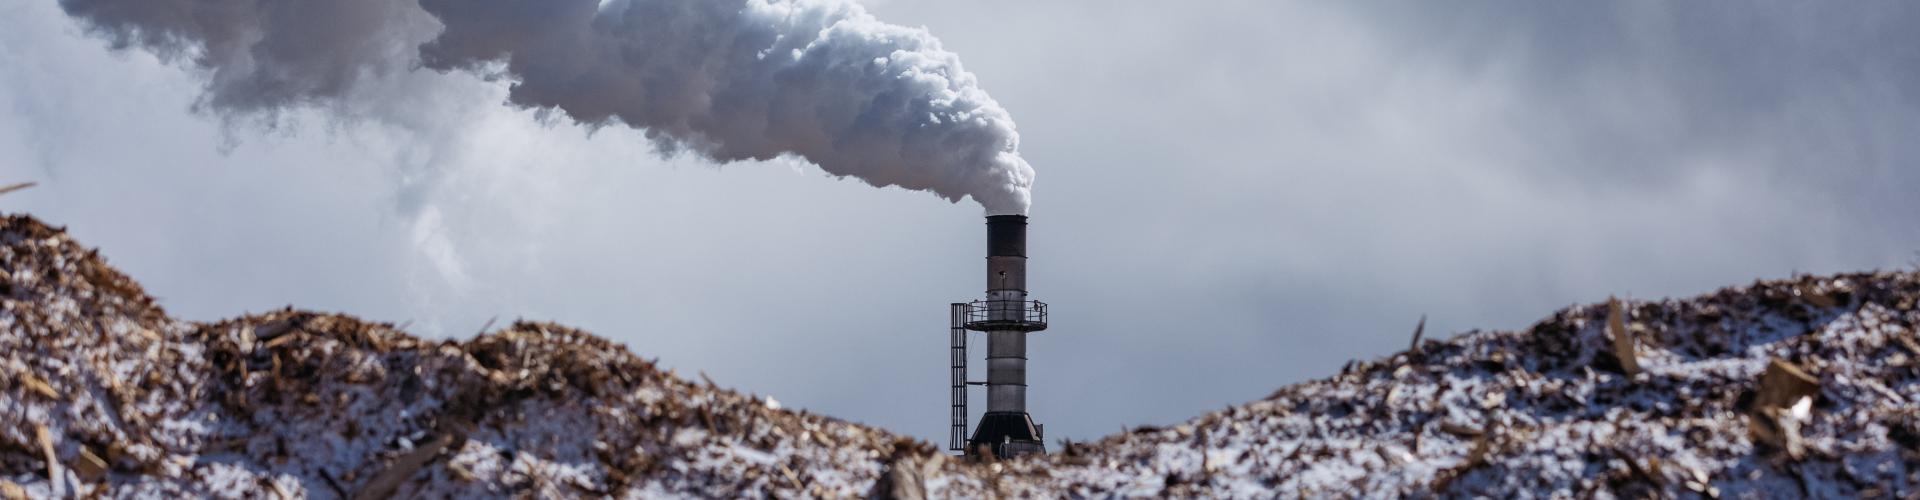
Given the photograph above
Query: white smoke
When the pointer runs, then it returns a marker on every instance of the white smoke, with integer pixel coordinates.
(263, 58)
(728, 79)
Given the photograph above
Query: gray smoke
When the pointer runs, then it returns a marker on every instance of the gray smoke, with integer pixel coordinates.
(728, 79)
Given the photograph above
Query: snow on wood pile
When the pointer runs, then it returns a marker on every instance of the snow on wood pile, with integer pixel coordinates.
(130, 403)
(1552, 409)
(102, 393)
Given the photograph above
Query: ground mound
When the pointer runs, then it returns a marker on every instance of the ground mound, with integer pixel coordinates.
(102, 393)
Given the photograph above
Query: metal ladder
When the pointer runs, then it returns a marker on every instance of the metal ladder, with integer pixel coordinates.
(958, 439)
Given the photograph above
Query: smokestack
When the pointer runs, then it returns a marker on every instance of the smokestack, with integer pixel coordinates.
(1006, 430)
(1006, 307)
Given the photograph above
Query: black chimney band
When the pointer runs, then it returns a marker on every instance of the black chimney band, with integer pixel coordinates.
(1006, 236)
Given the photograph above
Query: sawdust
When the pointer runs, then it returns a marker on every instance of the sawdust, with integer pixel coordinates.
(101, 393)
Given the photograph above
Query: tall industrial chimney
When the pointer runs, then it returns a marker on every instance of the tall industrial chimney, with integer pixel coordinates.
(1006, 430)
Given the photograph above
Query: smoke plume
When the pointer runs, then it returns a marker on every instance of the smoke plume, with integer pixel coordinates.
(728, 79)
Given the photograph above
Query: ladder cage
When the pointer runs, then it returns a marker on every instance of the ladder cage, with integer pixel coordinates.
(957, 440)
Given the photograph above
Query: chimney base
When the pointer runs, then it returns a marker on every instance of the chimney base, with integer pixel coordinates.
(1006, 434)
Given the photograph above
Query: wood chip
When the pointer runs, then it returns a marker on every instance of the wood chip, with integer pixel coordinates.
(38, 386)
(281, 340)
(1622, 337)
(1771, 420)
(1418, 330)
(902, 480)
(1783, 384)
(795, 478)
(1389, 457)
(270, 330)
(15, 187)
(1461, 430)
(45, 437)
(89, 466)
(1884, 391)
(1909, 344)
(384, 484)
(1773, 427)
(1816, 297)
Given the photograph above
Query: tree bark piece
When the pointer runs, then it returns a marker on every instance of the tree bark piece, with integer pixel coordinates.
(1772, 420)
(383, 485)
(1622, 337)
(89, 466)
(1783, 384)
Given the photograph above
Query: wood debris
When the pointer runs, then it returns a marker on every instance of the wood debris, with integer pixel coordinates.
(1783, 384)
(903, 479)
(549, 411)
(47, 453)
(1418, 330)
(15, 187)
(1623, 348)
(1781, 407)
(89, 466)
(37, 386)
(383, 485)
(1461, 430)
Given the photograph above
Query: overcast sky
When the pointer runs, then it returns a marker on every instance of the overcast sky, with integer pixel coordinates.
(1230, 196)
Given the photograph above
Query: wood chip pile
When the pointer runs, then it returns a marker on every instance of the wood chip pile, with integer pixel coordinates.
(1803, 387)
(102, 393)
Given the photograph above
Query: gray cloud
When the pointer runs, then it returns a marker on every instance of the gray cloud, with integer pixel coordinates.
(1239, 195)
(263, 57)
(1808, 85)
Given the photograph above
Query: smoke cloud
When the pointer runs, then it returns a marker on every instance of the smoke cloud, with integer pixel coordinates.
(728, 80)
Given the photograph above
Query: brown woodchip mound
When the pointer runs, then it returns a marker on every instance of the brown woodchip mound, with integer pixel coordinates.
(1802, 387)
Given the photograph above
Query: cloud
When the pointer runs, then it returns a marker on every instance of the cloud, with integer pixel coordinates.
(1239, 195)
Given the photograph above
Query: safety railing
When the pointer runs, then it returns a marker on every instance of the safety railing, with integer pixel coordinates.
(1030, 315)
